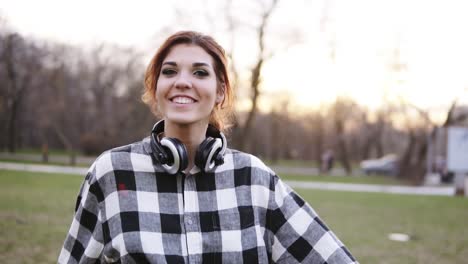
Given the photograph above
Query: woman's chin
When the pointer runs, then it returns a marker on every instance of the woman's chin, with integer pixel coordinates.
(185, 120)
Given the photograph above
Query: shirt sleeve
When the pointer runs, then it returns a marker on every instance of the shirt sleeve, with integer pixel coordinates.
(84, 242)
(299, 235)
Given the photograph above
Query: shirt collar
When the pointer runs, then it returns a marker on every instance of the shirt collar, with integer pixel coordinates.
(146, 145)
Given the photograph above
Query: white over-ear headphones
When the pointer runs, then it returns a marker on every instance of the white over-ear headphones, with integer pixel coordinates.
(172, 154)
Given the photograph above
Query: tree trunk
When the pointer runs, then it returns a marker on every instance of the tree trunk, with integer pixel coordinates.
(274, 150)
(318, 143)
(344, 155)
(405, 161)
(45, 152)
(379, 146)
(12, 127)
(246, 129)
(67, 143)
(342, 151)
(255, 79)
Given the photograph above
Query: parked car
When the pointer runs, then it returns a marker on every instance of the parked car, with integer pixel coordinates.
(386, 165)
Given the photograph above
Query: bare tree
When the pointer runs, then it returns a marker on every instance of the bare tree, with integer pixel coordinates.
(372, 133)
(244, 121)
(62, 118)
(255, 78)
(341, 112)
(22, 62)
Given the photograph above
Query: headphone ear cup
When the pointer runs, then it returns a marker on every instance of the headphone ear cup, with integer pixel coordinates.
(206, 154)
(177, 155)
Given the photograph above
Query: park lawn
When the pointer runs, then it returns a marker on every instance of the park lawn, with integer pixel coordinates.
(438, 225)
(36, 211)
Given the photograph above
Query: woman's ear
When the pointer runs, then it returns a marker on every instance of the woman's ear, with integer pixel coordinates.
(220, 94)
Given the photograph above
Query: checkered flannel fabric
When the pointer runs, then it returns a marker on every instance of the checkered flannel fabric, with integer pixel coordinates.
(130, 211)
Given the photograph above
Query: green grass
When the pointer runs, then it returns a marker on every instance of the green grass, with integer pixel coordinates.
(36, 211)
(35, 214)
(364, 220)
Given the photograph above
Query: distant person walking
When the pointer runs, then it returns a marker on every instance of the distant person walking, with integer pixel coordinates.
(181, 195)
(327, 161)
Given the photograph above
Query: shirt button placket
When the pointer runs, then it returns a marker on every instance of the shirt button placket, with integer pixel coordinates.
(191, 221)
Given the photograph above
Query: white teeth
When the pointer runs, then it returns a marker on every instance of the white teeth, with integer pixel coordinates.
(182, 100)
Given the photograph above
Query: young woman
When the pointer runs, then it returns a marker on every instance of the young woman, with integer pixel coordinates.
(182, 196)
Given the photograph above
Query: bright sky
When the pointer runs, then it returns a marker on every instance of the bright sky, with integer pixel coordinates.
(430, 34)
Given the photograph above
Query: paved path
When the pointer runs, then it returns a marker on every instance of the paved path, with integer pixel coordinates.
(43, 168)
(87, 161)
(423, 190)
(307, 170)
(353, 187)
(52, 158)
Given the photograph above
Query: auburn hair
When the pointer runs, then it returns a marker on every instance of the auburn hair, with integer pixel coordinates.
(221, 114)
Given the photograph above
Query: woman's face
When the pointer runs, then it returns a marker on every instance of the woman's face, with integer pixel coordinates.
(186, 91)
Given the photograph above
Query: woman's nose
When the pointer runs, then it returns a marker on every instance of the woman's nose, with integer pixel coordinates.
(183, 81)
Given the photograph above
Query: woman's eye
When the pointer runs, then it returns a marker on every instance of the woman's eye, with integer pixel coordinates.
(168, 72)
(200, 73)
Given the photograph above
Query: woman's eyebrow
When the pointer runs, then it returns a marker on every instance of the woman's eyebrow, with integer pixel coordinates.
(200, 64)
(172, 63)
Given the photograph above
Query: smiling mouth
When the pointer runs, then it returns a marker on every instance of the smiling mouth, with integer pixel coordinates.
(182, 100)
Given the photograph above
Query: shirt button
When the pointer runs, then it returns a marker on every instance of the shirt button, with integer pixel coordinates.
(189, 221)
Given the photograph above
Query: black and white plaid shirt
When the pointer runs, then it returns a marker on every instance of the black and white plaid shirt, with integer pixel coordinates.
(130, 211)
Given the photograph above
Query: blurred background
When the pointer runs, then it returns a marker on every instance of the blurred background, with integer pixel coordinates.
(324, 87)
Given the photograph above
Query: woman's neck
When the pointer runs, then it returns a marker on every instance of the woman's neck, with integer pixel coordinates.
(191, 135)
